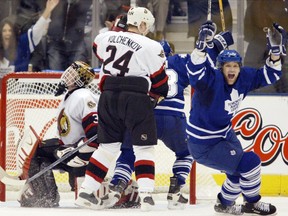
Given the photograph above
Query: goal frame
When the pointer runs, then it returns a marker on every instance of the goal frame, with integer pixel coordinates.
(3, 119)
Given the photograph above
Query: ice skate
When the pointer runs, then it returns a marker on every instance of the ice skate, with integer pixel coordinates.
(233, 209)
(147, 201)
(259, 208)
(87, 199)
(175, 198)
(114, 194)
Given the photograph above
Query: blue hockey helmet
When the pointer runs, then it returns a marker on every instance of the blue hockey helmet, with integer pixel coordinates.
(229, 56)
(166, 47)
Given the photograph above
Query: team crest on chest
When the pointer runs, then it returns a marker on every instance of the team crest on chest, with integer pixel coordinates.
(231, 106)
(64, 125)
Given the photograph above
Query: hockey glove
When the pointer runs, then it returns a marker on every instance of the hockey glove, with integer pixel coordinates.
(206, 35)
(155, 98)
(276, 40)
(223, 40)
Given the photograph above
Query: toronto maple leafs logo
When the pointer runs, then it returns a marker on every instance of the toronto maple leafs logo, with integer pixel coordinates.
(231, 106)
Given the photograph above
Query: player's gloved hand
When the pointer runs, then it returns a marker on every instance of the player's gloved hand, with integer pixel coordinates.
(223, 40)
(155, 98)
(276, 40)
(206, 34)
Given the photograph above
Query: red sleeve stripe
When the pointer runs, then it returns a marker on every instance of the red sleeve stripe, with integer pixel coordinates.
(158, 72)
(160, 83)
(88, 116)
(89, 127)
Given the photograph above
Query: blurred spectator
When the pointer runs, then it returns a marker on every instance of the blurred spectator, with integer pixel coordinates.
(15, 48)
(28, 12)
(197, 14)
(112, 9)
(254, 22)
(175, 10)
(66, 34)
(8, 8)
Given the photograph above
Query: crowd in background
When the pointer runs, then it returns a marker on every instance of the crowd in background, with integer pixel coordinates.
(68, 35)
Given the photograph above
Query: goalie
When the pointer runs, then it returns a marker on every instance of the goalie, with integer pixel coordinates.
(77, 121)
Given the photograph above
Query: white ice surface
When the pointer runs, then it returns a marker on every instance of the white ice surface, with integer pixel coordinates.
(67, 208)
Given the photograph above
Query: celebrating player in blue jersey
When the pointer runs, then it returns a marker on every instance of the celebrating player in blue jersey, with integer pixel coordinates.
(171, 128)
(218, 93)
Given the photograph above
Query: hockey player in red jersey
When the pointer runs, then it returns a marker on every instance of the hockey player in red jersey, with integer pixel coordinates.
(132, 74)
(77, 120)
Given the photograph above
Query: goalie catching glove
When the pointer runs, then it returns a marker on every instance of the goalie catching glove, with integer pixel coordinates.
(276, 39)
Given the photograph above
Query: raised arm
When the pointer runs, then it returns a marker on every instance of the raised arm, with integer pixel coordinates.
(41, 26)
(50, 5)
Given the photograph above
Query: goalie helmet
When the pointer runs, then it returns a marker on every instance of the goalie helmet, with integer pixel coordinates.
(78, 74)
(228, 56)
(136, 15)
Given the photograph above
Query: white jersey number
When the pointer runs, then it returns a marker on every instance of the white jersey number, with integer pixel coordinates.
(172, 82)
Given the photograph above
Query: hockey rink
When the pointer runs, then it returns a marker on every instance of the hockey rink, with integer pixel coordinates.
(67, 208)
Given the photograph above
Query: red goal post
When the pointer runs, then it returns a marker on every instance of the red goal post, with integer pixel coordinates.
(28, 99)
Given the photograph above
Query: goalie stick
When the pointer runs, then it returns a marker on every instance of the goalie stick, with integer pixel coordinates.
(12, 180)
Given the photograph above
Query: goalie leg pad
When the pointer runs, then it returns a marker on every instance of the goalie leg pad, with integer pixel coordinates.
(25, 151)
(43, 191)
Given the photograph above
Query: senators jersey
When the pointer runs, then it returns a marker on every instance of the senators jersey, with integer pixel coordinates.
(131, 54)
(78, 116)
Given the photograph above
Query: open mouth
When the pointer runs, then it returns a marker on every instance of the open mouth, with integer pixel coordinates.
(231, 76)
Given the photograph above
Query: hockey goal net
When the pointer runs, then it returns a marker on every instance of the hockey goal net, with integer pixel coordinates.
(28, 100)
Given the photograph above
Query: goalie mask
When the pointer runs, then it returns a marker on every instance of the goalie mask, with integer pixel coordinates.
(77, 75)
(136, 15)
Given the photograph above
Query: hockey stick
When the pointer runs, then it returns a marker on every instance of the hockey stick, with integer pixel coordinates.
(209, 10)
(222, 15)
(11, 180)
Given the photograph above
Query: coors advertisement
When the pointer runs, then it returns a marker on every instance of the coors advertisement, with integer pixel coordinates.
(261, 124)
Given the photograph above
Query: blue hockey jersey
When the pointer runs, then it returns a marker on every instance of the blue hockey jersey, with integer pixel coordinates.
(178, 80)
(215, 102)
